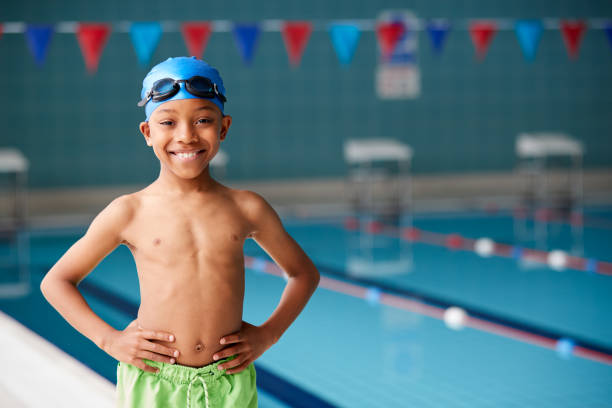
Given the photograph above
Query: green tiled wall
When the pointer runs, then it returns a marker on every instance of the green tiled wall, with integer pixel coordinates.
(78, 129)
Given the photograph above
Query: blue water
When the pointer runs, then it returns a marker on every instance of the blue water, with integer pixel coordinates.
(353, 353)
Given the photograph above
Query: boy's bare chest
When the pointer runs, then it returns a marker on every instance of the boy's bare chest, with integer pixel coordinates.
(175, 234)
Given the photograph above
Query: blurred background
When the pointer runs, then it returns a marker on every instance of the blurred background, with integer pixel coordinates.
(446, 165)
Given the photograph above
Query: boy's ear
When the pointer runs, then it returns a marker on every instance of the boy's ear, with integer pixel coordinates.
(146, 131)
(226, 121)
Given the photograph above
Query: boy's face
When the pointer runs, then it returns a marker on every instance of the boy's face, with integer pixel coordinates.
(186, 125)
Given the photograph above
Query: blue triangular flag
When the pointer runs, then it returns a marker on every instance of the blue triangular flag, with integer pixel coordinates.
(38, 37)
(145, 37)
(344, 38)
(246, 37)
(437, 33)
(528, 33)
(608, 29)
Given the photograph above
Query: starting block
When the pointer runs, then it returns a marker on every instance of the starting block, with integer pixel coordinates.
(549, 166)
(14, 239)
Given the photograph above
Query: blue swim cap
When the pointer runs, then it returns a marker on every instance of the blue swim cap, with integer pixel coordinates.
(180, 68)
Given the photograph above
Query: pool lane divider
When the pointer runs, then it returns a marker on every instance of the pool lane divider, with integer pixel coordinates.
(556, 259)
(435, 307)
(266, 379)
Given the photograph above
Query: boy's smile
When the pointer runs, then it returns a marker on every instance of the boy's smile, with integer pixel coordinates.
(185, 135)
(188, 156)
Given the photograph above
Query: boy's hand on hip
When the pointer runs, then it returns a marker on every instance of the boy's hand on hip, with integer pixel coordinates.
(133, 344)
(247, 344)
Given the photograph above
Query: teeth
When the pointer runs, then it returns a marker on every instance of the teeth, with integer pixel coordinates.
(186, 155)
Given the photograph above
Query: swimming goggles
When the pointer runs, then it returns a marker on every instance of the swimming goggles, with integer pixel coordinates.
(166, 88)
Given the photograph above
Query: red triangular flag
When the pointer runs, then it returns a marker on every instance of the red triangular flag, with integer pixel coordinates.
(92, 39)
(295, 36)
(482, 33)
(388, 35)
(196, 37)
(1, 29)
(572, 34)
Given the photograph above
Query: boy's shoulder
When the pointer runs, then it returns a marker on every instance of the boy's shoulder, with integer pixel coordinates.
(256, 209)
(253, 206)
(120, 210)
(250, 202)
(124, 204)
(110, 222)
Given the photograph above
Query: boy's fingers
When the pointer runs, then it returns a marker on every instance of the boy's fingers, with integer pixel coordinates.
(150, 334)
(143, 366)
(160, 349)
(155, 357)
(234, 338)
(229, 352)
(241, 367)
(236, 362)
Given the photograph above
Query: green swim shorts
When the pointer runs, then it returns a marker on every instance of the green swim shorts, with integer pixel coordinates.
(182, 386)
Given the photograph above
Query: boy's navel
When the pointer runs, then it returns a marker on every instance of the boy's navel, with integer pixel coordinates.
(156, 241)
(199, 347)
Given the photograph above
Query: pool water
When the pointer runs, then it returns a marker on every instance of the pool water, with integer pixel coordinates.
(348, 351)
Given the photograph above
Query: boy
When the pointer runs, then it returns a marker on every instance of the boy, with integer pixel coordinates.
(188, 345)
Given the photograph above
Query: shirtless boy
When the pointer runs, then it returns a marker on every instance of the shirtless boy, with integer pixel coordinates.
(188, 345)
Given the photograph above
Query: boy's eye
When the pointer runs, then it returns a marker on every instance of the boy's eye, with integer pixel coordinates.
(201, 120)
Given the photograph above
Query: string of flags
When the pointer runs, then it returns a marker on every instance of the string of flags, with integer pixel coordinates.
(344, 35)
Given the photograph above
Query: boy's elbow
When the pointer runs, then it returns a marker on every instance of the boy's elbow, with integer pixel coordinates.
(43, 287)
(309, 276)
(316, 277)
(46, 285)
(313, 273)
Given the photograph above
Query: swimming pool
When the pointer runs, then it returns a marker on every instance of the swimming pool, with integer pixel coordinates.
(357, 345)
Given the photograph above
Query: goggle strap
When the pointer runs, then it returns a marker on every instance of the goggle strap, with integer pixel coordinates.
(222, 97)
(144, 100)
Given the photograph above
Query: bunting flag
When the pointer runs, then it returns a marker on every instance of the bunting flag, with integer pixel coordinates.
(482, 33)
(394, 37)
(528, 33)
(608, 29)
(388, 35)
(38, 38)
(344, 38)
(295, 36)
(196, 36)
(145, 37)
(572, 34)
(246, 36)
(92, 38)
(438, 29)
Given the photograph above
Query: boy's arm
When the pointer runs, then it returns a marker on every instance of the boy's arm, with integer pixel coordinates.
(132, 344)
(59, 286)
(270, 235)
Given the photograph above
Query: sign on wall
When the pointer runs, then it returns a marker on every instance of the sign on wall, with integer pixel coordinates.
(397, 73)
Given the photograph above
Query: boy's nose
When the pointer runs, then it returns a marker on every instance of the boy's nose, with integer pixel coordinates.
(187, 134)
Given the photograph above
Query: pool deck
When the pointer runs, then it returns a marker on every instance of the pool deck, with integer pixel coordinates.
(36, 373)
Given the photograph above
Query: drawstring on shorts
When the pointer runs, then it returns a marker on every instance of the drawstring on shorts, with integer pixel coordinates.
(201, 378)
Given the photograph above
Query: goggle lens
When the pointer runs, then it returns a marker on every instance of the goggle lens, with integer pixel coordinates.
(163, 87)
(202, 86)
(167, 87)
